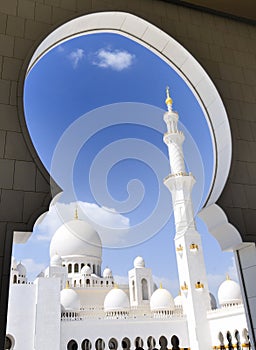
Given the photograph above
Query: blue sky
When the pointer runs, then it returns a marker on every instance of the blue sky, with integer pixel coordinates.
(94, 107)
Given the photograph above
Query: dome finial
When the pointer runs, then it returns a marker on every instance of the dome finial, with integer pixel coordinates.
(67, 284)
(161, 285)
(168, 100)
(76, 213)
(227, 277)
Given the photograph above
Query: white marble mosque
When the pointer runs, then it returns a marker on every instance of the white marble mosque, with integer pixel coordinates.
(73, 304)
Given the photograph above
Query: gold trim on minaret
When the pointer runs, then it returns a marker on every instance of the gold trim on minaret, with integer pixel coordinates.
(168, 100)
(179, 248)
(199, 285)
(184, 287)
(193, 246)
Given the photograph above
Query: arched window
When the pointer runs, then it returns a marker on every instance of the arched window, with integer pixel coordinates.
(82, 265)
(238, 340)
(9, 343)
(138, 343)
(221, 339)
(74, 283)
(76, 268)
(175, 342)
(133, 290)
(100, 344)
(72, 345)
(245, 335)
(229, 339)
(112, 344)
(69, 268)
(163, 343)
(144, 287)
(151, 343)
(88, 282)
(126, 343)
(15, 279)
(86, 344)
(93, 268)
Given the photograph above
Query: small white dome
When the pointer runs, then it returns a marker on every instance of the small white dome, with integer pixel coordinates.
(161, 299)
(69, 299)
(86, 270)
(139, 262)
(56, 260)
(107, 273)
(76, 237)
(14, 263)
(229, 293)
(116, 300)
(21, 269)
(178, 301)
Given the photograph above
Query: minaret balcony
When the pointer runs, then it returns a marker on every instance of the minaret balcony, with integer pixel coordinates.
(180, 181)
(174, 138)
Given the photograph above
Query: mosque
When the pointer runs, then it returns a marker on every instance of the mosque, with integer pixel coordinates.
(73, 305)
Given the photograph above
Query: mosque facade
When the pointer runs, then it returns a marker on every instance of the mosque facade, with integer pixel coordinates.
(75, 305)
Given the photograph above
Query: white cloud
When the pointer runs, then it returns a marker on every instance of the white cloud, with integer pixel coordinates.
(60, 48)
(117, 60)
(112, 226)
(76, 56)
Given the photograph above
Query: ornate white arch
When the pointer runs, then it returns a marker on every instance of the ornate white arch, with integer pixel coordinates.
(196, 78)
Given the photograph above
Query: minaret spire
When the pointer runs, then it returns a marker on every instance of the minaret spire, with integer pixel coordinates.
(168, 100)
(189, 252)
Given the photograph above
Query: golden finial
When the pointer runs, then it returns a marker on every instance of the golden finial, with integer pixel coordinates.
(161, 285)
(76, 213)
(116, 286)
(227, 277)
(67, 284)
(168, 100)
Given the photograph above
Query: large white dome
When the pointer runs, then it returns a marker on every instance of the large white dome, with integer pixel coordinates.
(229, 293)
(116, 300)
(69, 300)
(161, 299)
(76, 237)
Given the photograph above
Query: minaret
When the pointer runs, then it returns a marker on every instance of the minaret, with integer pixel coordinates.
(189, 252)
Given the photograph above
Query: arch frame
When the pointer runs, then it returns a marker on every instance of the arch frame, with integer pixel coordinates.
(175, 55)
